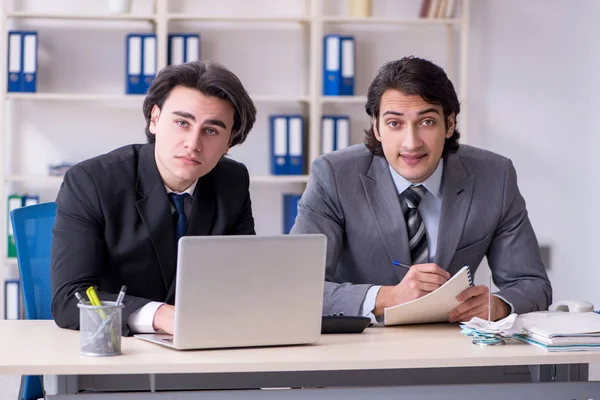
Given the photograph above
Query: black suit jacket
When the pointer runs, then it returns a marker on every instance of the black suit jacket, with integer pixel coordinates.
(114, 227)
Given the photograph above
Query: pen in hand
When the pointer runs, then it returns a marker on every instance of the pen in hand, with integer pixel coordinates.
(399, 264)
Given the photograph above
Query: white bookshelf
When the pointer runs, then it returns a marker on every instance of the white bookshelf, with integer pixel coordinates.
(280, 29)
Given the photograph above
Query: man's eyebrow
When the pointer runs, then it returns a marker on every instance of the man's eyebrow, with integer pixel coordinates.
(393, 113)
(216, 122)
(428, 110)
(185, 114)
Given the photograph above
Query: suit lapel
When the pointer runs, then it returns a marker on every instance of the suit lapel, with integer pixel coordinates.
(457, 193)
(155, 211)
(202, 216)
(383, 200)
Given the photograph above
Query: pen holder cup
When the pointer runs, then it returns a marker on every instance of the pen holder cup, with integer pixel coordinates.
(100, 329)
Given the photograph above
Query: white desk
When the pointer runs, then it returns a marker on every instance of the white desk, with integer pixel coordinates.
(39, 347)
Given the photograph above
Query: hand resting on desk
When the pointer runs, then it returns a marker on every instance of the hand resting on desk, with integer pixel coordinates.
(418, 281)
(164, 318)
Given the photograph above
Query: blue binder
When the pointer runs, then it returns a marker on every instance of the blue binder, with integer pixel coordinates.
(133, 73)
(14, 61)
(29, 63)
(149, 65)
(30, 199)
(341, 132)
(290, 211)
(184, 48)
(22, 61)
(332, 68)
(279, 144)
(348, 57)
(295, 130)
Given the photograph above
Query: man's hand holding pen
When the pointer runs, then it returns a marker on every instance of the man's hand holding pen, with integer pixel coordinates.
(418, 281)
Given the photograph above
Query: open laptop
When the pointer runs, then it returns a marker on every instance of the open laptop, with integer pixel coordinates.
(240, 291)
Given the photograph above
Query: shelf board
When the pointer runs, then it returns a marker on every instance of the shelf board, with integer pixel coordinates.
(135, 97)
(257, 179)
(39, 179)
(279, 99)
(278, 179)
(75, 97)
(207, 18)
(344, 99)
(80, 17)
(391, 21)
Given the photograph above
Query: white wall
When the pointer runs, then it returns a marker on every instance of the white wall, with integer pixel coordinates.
(533, 97)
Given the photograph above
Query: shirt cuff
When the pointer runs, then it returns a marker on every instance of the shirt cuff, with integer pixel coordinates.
(512, 308)
(368, 304)
(142, 319)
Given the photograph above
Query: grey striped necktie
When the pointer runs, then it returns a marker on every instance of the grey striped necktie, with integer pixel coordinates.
(417, 237)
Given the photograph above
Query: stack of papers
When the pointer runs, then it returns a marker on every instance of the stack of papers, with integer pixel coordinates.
(562, 331)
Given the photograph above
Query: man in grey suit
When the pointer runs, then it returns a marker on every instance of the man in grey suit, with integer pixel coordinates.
(407, 209)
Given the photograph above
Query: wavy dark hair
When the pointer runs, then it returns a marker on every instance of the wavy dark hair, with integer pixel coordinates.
(211, 79)
(413, 76)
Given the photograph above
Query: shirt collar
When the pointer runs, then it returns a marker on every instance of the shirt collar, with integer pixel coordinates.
(189, 190)
(433, 183)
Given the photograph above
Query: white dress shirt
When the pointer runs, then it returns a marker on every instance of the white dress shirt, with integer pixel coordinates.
(430, 209)
(142, 319)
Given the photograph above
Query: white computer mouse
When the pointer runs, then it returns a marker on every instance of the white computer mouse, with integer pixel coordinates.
(572, 306)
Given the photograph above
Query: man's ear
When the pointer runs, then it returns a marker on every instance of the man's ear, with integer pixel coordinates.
(154, 115)
(451, 125)
(375, 128)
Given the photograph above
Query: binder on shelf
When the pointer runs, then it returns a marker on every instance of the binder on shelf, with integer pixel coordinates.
(279, 145)
(183, 48)
(14, 61)
(327, 134)
(30, 199)
(14, 201)
(348, 56)
(12, 299)
(296, 145)
(335, 133)
(133, 50)
(29, 63)
(290, 211)
(22, 61)
(342, 132)
(149, 57)
(332, 69)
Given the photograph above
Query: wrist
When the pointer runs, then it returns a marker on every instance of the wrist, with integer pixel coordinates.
(381, 301)
(502, 309)
(156, 322)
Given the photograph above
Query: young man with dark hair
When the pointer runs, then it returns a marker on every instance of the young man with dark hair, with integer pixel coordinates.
(411, 194)
(121, 214)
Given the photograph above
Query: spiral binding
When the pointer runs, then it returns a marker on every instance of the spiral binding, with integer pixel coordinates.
(469, 275)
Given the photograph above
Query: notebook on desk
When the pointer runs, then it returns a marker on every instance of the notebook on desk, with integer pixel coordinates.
(434, 306)
(241, 291)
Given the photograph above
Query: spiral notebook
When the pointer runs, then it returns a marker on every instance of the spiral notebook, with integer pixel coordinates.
(434, 306)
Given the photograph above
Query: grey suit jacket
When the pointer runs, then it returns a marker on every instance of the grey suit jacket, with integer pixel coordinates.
(352, 199)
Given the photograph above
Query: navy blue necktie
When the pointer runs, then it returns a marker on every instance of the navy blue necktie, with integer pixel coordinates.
(180, 220)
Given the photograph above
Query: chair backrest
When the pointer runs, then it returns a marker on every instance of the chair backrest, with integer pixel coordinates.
(32, 227)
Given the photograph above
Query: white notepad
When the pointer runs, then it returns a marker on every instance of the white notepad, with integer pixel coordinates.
(434, 306)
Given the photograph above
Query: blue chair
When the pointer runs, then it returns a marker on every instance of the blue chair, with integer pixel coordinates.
(32, 227)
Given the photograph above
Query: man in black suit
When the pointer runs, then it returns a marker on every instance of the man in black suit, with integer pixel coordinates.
(120, 215)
